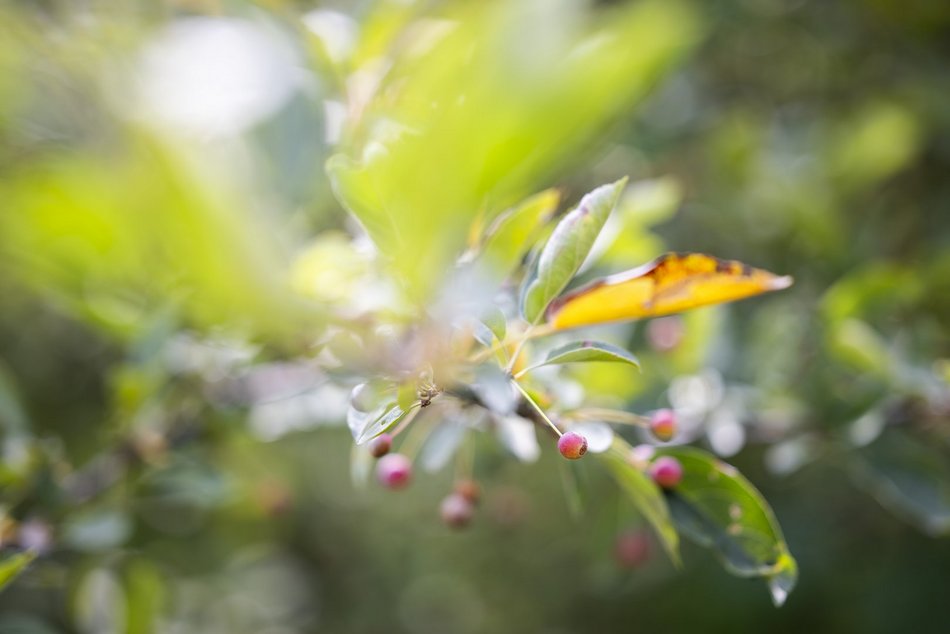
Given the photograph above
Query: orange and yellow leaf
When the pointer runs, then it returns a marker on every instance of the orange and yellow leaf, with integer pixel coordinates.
(672, 283)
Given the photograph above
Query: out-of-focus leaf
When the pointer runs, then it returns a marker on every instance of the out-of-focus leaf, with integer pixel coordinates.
(670, 284)
(515, 231)
(567, 248)
(599, 435)
(495, 320)
(909, 477)
(97, 530)
(857, 344)
(644, 494)
(367, 425)
(442, 444)
(518, 436)
(716, 506)
(588, 352)
(12, 416)
(494, 389)
(12, 565)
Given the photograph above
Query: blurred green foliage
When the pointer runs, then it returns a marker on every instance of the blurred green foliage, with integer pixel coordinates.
(183, 302)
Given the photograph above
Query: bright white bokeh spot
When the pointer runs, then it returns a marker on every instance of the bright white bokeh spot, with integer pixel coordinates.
(336, 30)
(215, 76)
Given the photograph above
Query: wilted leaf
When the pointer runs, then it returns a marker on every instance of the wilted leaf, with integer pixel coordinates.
(13, 565)
(567, 248)
(716, 506)
(645, 495)
(670, 284)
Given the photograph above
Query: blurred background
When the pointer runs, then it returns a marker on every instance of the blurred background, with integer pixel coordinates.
(178, 272)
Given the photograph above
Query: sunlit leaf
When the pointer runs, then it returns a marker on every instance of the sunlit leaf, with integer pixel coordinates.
(567, 248)
(716, 506)
(644, 494)
(670, 284)
(588, 352)
(12, 565)
(367, 425)
(514, 232)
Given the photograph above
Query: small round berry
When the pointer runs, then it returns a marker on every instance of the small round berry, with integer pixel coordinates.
(469, 490)
(632, 548)
(380, 446)
(394, 471)
(663, 424)
(456, 511)
(572, 445)
(666, 471)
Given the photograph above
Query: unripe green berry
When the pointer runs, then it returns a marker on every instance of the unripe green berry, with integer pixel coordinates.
(456, 511)
(663, 424)
(394, 471)
(380, 446)
(572, 445)
(666, 471)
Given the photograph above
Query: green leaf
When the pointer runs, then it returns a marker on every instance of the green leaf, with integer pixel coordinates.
(515, 231)
(718, 508)
(12, 565)
(909, 477)
(378, 422)
(567, 248)
(586, 352)
(644, 494)
(495, 320)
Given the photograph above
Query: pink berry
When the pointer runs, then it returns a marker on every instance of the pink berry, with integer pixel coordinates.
(572, 445)
(394, 471)
(666, 471)
(380, 446)
(663, 424)
(456, 511)
(632, 548)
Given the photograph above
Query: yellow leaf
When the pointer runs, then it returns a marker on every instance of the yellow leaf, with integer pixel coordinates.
(670, 284)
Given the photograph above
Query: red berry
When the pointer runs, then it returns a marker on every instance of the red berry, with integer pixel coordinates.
(380, 446)
(632, 548)
(469, 490)
(572, 445)
(666, 471)
(394, 471)
(456, 511)
(663, 424)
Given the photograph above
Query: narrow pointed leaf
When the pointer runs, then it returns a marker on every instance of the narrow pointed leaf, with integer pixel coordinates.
(12, 565)
(567, 248)
(670, 284)
(645, 495)
(718, 508)
(588, 352)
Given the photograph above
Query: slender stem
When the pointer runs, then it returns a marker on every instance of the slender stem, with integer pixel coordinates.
(537, 408)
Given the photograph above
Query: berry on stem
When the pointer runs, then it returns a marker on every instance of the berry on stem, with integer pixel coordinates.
(469, 490)
(394, 471)
(572, 445)
(666, 471)
(380, 446)
(663, 424)
(456, 511)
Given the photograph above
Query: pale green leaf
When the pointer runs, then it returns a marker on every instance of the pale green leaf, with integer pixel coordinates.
(515, 231)
(587, 352)
(567, 248)
(644, 494)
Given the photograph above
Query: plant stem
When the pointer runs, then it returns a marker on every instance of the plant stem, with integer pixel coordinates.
(537, 408)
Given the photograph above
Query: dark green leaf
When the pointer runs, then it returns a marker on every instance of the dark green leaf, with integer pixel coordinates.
(717, 507)
(567, 248)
